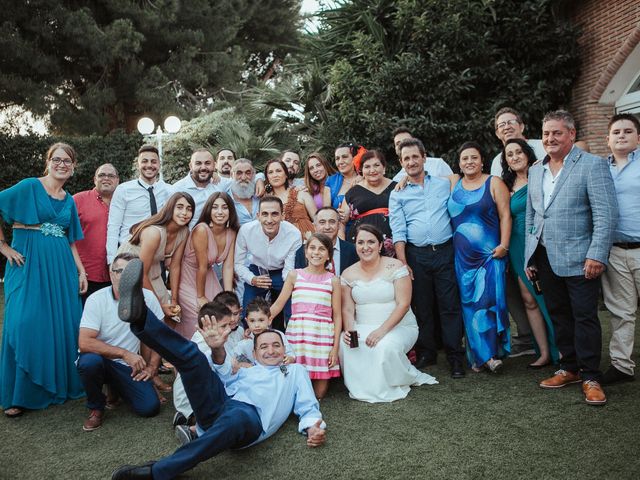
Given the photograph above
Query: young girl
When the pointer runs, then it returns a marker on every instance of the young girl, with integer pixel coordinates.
(316, 317)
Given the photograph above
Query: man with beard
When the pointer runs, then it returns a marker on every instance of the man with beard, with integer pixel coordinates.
(224, 162)
(243, 190)
(292, 160)
(93, 210)
(136, 200)
(198, 184)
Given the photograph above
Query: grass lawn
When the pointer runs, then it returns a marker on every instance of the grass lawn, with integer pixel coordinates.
(485, 426)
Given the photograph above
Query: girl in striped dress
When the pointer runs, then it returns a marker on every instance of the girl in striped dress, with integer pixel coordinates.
(316, 317)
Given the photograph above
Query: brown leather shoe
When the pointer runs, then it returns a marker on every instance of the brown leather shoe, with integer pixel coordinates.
(593, 393)
(560, 379)
(93, 422)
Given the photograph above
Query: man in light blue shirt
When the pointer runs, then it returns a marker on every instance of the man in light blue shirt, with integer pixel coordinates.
(621, 280)
(231, 410)
(421, 230)
(436, 167)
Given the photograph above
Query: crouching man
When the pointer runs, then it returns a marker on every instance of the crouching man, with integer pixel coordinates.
(110, 353)
(231, 410)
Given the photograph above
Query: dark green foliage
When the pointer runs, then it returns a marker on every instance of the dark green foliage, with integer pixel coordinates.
(23, 156)
(98, 66)
(441, 68)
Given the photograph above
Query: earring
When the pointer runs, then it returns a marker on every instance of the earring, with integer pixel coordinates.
(510, 171)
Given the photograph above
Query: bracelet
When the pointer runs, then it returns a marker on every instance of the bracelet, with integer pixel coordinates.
(505, 248)
(82, 274)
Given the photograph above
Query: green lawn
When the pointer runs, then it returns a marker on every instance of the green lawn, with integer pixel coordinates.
(485, 426)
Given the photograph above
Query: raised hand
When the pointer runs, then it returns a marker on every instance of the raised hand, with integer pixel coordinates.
(214, 335)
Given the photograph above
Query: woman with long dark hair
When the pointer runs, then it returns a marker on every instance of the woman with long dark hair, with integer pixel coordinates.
(517, 157)
(212, 241)
(43, 280)
(316, 171)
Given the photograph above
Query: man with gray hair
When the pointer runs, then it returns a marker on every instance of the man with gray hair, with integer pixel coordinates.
(571, 217)
(243, 189)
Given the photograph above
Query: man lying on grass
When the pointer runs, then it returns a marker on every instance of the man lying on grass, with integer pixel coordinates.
(231, 410)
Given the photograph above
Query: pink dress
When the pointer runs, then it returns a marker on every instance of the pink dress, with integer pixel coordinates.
(187, 295)
(310, 328)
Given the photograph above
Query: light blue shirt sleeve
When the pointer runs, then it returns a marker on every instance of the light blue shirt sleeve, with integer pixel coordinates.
(397, 219)
(306, 406)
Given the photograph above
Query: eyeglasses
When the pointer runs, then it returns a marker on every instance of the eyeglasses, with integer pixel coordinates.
(58, 161)
(107, 175)
(513, 122)
(117, 271)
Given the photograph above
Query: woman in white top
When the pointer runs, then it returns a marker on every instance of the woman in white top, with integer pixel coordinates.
(376, 295)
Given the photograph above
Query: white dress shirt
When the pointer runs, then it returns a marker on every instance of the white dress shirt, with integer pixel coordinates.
(536, 145)
(549, 183)
(130, 205)
(200, 194)
(275, 254)
(436, 167)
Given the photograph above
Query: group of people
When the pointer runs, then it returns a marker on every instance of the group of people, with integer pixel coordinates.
(348, 273)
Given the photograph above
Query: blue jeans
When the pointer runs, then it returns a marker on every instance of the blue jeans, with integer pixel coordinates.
(227, 423)
(277, 282)
(96, 370)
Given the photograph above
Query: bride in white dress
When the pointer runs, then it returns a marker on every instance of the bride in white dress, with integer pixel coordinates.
(376, 298)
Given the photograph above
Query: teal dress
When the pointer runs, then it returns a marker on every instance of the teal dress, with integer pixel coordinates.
(516, 260)
(42, 304)
(481, 278)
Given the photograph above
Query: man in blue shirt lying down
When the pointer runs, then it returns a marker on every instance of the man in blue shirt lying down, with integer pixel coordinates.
(231, 410)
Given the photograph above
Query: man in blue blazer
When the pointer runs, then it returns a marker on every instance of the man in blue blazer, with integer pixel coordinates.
(571, 216)
(344, 253)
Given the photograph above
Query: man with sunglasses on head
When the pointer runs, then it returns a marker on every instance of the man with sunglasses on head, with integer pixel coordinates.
(93, 210)
(110, 354)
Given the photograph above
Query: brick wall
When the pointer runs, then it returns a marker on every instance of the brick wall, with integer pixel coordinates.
(609, 30)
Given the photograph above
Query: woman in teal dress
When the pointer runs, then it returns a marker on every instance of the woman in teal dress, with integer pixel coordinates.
(43, 280)
(479, 210)
(517, 156)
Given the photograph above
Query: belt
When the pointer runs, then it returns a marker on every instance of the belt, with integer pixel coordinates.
(255, 267)
(382, 211)
(432, 246)
(48, 229)
(627, 245)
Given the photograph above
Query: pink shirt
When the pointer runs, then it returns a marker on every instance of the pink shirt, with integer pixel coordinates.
(94, 214)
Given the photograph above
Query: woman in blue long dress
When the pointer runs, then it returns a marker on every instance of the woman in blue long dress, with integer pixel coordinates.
(43, 279)
(517, 156)
(479, 210)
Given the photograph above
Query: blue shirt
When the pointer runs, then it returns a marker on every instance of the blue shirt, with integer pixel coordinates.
(418, 214)
(245, 216)
(273, 393)
(627, 183)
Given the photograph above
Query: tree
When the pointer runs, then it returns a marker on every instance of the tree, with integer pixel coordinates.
(96, 66)
(441, 68)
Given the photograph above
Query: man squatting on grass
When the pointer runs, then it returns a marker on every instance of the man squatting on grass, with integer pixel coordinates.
(231, 410)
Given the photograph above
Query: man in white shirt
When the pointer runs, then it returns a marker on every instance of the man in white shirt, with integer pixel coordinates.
(198, 184)
(110, 353)
(436, 167)
(292, 160)
(231, 410)
(508, 124)
(136, 200)
(272, 244)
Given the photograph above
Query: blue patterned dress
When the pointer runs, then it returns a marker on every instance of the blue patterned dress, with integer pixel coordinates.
(42, 305)
(481, 277)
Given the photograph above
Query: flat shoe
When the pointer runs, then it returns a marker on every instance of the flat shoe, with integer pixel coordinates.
(13, 412)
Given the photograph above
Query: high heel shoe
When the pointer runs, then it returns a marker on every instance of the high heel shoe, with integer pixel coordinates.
(494, 365)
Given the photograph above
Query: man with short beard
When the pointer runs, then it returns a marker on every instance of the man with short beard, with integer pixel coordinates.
(243, 190)
(198, 184)
(292, 160)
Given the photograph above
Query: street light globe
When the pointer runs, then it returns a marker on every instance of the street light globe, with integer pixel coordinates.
(145, 125)
(172, 124)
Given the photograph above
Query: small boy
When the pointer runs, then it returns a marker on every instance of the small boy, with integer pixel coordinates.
(231, 301)
(258, 320)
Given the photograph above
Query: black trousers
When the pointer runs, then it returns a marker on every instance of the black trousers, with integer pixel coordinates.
(573, 306)
(434, 277)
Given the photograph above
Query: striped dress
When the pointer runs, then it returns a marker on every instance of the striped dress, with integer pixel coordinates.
(310, 328)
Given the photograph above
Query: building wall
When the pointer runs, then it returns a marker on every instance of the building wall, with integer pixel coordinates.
(609, 29)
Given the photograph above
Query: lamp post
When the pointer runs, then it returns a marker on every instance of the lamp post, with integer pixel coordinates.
(171, 125)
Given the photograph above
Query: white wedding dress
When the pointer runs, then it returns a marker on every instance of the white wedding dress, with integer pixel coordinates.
(382, 373)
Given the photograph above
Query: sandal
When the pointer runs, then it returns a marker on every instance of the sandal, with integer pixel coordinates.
(13, 412)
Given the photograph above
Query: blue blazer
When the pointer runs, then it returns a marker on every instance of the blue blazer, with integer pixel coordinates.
(581, 217)
(348, 256)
